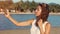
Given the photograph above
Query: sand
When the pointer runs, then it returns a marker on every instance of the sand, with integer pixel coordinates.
(54, 30)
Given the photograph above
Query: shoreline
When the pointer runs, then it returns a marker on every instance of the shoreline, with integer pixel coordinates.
(54, 30)
(33, 13)
(54, 13)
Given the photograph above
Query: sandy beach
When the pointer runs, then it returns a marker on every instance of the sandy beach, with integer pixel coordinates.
(54, 30)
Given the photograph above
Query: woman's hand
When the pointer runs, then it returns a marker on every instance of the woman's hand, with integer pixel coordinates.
(7, 14)
(40, 23)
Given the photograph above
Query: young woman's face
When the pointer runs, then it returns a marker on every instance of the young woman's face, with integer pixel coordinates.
(38, 11)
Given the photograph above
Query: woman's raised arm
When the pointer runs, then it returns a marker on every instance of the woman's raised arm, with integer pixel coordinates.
(25, 23)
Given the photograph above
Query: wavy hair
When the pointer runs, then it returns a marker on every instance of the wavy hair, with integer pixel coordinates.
(44, 13)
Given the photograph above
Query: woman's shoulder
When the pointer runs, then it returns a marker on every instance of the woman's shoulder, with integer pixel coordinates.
(48, 23)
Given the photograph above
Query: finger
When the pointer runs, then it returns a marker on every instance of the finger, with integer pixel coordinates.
(8, 11)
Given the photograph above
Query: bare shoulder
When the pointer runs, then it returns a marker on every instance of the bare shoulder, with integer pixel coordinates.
(48, 24)
(48, 27)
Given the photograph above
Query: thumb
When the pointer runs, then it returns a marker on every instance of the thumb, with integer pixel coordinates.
(40, 23)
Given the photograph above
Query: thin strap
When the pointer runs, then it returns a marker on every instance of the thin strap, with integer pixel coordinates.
(44, 25)
(34, 21)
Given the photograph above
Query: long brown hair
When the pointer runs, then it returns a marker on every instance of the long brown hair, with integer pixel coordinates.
(44, 13)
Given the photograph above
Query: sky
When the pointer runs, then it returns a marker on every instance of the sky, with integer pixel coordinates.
(42, 1)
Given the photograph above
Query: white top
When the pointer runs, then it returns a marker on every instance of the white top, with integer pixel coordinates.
(35, 29)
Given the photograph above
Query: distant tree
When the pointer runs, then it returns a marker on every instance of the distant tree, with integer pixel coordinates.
(54, 7)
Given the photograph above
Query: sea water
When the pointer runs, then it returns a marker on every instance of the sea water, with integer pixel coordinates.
(5, 23)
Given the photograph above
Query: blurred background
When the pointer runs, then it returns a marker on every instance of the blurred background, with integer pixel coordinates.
(22, 10)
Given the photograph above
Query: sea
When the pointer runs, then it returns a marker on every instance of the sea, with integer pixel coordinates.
(6, 24)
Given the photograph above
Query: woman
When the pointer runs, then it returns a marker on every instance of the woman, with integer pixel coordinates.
(40, 25)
